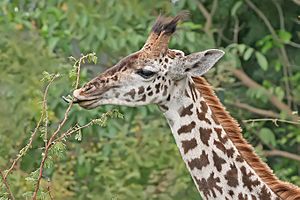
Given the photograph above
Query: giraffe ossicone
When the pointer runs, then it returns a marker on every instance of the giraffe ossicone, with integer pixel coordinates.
(221, 163)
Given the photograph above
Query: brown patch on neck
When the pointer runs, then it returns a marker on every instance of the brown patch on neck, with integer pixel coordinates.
(284, 190)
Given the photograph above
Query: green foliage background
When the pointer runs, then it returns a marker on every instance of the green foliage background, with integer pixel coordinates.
(136, 157)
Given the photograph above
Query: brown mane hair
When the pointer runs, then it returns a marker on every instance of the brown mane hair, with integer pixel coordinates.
(284, 190)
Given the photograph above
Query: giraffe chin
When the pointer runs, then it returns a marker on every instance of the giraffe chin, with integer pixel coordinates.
(88, 104)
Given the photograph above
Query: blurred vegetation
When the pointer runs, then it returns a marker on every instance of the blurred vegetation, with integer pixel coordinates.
(136, 157)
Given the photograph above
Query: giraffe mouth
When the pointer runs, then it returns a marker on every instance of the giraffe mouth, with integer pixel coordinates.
(85, 103)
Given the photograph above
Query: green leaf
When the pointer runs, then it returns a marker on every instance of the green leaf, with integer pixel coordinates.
(277, 65)
(285, 36)
(267, 137)
(279, 92)
(78, 136)
(241, 48)
(262, 61)
(248, 53)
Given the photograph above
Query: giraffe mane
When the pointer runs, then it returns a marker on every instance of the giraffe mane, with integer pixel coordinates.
(284, 190)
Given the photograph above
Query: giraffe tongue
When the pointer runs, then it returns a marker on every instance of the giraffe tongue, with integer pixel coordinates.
(69, 99)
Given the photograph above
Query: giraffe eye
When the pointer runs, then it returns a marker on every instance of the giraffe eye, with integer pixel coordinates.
(145, 73)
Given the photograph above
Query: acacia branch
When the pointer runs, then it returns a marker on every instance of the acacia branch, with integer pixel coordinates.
(285, 154)
(258, 111)
(275, 121)
(250, 83)
(208, 15)
(61, 124)
(10, 194)
(24, 150)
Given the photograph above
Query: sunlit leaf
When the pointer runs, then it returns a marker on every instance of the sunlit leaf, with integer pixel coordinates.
(262, 61)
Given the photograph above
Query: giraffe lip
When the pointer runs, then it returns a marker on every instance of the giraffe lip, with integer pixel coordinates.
(75, 100)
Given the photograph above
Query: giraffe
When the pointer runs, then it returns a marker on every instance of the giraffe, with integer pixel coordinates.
(220, 161)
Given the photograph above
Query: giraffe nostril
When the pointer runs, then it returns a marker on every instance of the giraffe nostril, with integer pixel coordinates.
(89, 88)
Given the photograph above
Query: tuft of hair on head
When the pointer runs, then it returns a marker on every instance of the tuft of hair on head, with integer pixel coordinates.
(167, 25)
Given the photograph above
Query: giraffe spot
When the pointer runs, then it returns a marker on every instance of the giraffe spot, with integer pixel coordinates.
(186, 128)
(188, 145)
(165, 90)
(209, 186)
(165, 108)
(201, 117)
(187, 94)
(169, 97)
(204, 107)
(193, 91)
(239, 158)
(150, 93)
(254, 197)
(264, 194)
(230, 152)
(218, 161)
(199, 163)
(205, 135)
(187, 69)
(131, 93)
(242, 197)
(115, 78)
(231, 193)
(186, 110)
(220, 146)
(143, 98)
(219, 134)
(246, 177)
(232, 176)
(157, 88)
(141, 90)
(148, 88)
(166, 60)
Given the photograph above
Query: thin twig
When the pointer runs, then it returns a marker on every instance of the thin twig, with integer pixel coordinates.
(275, 121)
(208, 15)
(61, 124)
(285, 154)
(49, 192)
(236, 30)
(100, 121)
(294, 44)
(10, 194)
(258, 111)
(73, 130)
(25, 149)
(280, 14)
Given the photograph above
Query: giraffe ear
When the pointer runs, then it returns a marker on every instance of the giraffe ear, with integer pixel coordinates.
(199, 63)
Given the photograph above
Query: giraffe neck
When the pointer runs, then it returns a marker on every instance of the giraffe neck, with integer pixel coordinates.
(216, 166)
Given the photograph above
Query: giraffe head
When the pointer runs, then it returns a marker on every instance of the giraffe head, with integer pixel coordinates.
(148, 75)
